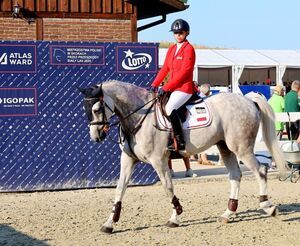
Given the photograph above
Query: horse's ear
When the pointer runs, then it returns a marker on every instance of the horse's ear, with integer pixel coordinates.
(97, 92)
(82, 90)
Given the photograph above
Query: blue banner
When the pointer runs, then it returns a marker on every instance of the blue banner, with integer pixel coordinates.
(17, 58)
(45, 143)
(18, 102)
(77, 55)
(260, 89)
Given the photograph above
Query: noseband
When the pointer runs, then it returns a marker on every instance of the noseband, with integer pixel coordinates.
(103, 104)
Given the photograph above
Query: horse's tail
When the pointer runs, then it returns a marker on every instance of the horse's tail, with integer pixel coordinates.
(269, 135)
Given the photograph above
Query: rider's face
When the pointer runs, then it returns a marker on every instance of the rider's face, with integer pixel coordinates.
(180, 36)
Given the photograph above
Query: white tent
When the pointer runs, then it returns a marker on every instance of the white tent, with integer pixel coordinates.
(239, 60)
(285, 59)
(242, 59)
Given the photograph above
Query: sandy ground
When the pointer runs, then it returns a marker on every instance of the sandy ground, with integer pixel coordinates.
(75, 217)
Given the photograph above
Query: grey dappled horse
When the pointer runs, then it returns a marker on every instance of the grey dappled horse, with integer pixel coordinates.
(234, 128)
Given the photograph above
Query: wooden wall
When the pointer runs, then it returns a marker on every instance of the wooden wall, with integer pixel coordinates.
(70, 6)
(88, 20)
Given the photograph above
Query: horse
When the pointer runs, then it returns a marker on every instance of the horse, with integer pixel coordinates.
(234, 127)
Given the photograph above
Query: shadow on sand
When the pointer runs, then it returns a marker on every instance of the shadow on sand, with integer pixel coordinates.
(9, 236)
(248, 215)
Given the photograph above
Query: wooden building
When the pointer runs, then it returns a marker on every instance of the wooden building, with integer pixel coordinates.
(80, 20)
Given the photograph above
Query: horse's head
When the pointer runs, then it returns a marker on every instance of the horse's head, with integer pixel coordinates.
(99, 108)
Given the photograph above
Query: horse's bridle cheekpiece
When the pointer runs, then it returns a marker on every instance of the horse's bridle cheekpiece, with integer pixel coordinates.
(97, 96)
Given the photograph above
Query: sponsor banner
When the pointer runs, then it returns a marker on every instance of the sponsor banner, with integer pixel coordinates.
(52, 150)
(260, 89)
(77, 55)
(136, 59)
(17, 58)
(18, 102)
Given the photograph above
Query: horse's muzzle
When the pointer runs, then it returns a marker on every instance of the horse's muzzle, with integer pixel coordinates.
(102, 136)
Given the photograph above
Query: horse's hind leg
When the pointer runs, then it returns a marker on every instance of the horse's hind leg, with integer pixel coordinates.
(235, 176)
(260, 172)
(127, 165)
(163, 172)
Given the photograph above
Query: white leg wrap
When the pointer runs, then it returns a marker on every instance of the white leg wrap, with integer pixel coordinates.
(265, 204)
(268, 208)
(109, 222)
(174, 217)
(227, 214)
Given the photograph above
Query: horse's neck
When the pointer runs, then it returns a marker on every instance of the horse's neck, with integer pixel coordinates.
(126, 102)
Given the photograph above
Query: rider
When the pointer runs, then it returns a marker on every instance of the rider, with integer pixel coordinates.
(179, 64)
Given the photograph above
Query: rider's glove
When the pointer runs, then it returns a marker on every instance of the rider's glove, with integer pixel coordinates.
(153, 89)
(160, 91)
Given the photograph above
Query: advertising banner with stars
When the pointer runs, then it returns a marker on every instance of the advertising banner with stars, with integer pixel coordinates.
(45, 143)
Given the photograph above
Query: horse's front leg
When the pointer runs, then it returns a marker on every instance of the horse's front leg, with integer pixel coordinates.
(127, 165)
(163, 172)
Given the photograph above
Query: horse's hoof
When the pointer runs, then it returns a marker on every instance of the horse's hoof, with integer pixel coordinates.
(171, 224)
(275, 211)
(107, 230)
(271, 211)
(223, 220)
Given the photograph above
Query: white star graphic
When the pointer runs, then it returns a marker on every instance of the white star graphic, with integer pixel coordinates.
(128, 53)
(147, 65)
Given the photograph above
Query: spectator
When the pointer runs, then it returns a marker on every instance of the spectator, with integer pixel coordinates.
(291, 104)
(287, 86)
(202, 159)
(277, 104)
(189, 172)
(204, 92)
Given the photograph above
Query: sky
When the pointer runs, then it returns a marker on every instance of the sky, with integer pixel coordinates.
(236, 24)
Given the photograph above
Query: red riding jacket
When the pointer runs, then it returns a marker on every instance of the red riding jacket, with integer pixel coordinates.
(180, 67)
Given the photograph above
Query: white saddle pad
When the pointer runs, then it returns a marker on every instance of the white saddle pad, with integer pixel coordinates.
(199, 115)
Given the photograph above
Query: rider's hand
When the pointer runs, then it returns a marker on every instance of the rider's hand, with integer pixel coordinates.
(153, 89)
(160, 91)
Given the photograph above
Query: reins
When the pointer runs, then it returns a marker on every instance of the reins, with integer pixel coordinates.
(136, 110)
(117, 123)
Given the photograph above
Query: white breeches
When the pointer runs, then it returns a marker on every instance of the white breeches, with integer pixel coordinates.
(176, 100)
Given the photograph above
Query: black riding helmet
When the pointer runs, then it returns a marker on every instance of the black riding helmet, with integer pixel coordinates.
(180, 25)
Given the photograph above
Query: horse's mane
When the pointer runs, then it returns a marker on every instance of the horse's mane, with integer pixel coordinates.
(119, 87)
(126, 92)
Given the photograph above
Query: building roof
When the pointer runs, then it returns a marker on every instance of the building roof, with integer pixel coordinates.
(95, 9)
(152, 8)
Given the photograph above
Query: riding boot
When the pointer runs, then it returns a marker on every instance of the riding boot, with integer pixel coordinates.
(178, 134)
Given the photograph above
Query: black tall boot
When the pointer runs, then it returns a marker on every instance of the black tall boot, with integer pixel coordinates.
(177, 130)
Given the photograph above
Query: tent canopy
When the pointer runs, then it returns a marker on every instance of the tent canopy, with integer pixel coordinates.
(217, 58)
(288, 58)
(239, 60)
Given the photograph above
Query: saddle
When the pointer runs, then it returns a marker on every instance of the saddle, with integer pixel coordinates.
(182, 111)
(195, 113)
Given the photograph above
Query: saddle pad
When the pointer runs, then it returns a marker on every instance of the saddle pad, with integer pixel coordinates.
(198, 115)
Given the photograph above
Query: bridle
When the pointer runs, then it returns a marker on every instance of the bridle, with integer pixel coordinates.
(103, 104)
(105, 122)
(106, 125)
